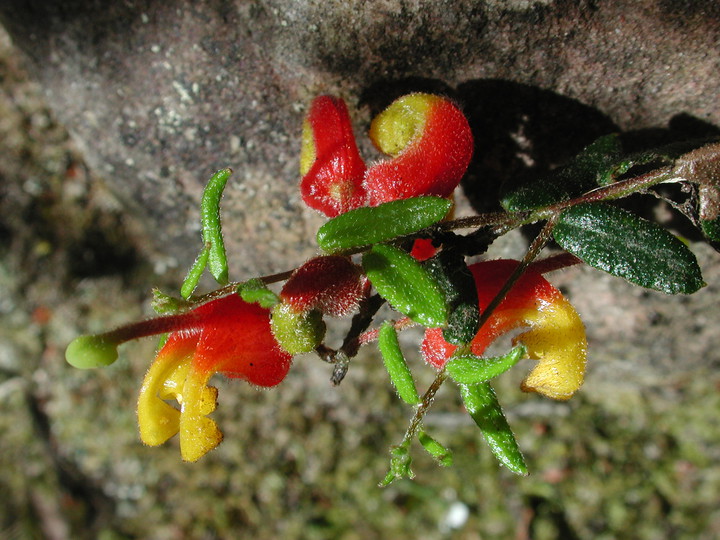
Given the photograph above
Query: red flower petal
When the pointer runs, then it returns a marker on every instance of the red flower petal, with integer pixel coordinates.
(330, 164)
(432, 145)
(332, 284)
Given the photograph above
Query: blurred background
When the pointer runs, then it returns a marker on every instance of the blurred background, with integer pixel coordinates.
(112, 117)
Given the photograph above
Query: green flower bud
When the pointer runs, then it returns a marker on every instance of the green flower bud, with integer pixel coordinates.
(297, 332)
(87, 352)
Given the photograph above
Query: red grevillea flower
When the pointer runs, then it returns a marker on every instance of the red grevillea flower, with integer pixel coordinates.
(228, 336)
(330, 164)
(431, 144)
(556, 335)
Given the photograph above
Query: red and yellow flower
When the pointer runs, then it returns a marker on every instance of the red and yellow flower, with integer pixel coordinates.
(427, 137)
(228, 336)
(430, 143)
(556, 335)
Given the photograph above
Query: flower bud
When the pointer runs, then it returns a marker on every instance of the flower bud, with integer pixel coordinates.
(87, 352)
(331, 284)
(297, 332)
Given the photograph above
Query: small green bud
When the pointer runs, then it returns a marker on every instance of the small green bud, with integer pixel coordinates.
(87, 352)
(255, 291)
(297, 332)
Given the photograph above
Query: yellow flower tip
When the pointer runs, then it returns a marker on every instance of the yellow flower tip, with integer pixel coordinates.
(557, 340)
(402, 122)
(86, 352)
(171, 377)
(307, 148)
(157, 420)
(198, 435)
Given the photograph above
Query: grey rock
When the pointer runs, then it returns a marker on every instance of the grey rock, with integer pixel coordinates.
(159, 95)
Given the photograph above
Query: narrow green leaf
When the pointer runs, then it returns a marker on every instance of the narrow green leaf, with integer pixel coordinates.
(484, 408)
(211, 226)
(194, 274)
(629, 247)
(403, 282)
(435, 449)
(470, 369)
(371, 225)
(254, 291)
(396, 365)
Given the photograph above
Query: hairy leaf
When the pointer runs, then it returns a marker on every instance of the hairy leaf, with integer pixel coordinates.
(624, 245)
(443, 455)
(470, 369)
(371, 225)
(211, 226)
(396, 365)
(450, 271)
(592, 167)
(194, 274)
(255, 291)
(484, 408)
(403, 282)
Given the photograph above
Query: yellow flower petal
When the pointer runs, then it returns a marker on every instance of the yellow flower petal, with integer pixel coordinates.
(198, 433)
(158, 421)
(557, 340)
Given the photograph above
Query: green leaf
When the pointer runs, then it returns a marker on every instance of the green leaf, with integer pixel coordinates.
(470, 369)
(254, 291)
(211, 226)
(435, 449)
(482, 404)
(624, 245)
(403, 282)
(450, 271)
(194, 274)
(596, 165)
(711, 229)
(396, 365)
(371, 225)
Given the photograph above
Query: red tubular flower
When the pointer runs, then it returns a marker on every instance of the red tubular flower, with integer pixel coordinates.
(228, 336)
(330, 164)
(431, 144)
(556, 335)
